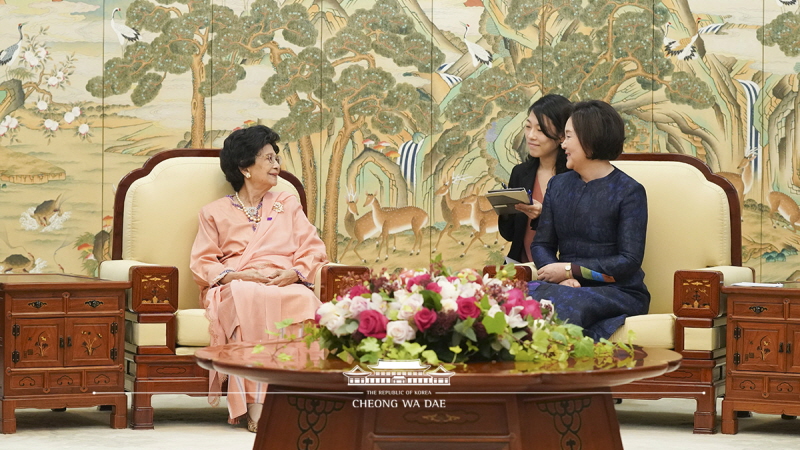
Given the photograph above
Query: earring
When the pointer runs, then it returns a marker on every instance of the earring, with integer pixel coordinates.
(247, 175)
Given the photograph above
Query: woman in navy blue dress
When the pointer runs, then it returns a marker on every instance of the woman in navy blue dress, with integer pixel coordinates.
(591, 235)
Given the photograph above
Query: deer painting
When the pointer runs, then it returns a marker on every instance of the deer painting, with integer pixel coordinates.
(359, 228)
(396, 220)
(785, 206)
(742, 181)
(483, 221)
(454, 212)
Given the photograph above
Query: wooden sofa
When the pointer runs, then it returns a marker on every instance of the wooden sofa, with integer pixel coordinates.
(155, 222)
(693, 248)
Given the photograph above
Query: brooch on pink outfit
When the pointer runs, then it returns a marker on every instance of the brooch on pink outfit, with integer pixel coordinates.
(278, 207)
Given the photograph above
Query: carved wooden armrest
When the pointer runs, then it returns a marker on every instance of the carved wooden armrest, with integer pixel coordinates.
(696, 294)
(153, 302)
(336, 278)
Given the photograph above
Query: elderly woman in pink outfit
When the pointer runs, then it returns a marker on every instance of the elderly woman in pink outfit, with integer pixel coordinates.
(254, 256)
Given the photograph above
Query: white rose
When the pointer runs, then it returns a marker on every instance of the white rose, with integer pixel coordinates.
(334, 323)
(400, 331)
(409, 306)
(359, 305)
(448, 289)
(343, 307)
(468, 290)
(449, 305)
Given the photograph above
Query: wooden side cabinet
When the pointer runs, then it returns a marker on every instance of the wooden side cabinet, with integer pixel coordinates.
(62, 340)
(763, 340)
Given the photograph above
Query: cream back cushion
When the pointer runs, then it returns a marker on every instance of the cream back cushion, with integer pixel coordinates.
(688, 224)
(161, 210)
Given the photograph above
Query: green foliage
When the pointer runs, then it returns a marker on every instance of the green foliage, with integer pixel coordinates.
(783, 31)
(688, 89)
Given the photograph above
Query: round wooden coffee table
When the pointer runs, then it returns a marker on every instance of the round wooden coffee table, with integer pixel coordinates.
(313, 404)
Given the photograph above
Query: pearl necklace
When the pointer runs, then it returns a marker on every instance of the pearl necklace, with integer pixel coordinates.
(250, 211)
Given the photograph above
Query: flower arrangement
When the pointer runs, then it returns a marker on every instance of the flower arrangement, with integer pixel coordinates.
(438, 316)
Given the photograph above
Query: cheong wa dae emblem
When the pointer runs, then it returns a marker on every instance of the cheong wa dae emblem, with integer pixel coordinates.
(398, 372)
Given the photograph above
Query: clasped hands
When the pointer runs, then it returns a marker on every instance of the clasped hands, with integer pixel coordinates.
(270, 277)
(556, 273)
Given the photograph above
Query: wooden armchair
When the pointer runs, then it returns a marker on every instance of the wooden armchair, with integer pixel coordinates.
(693, 248)
(155, 222)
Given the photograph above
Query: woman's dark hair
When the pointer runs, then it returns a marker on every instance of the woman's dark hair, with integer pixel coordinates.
(552, 111)
(599, 128)
(240, 150)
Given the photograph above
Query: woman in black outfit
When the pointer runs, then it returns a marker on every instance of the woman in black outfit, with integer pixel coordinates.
(544, 132)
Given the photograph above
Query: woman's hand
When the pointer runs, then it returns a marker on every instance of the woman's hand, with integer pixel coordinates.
(532, 211)
(571, 282)
(245, 275)
(280, 277)
(553, 273)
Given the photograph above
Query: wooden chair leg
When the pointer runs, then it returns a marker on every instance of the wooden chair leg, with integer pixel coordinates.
(705, 416)
(142, 411)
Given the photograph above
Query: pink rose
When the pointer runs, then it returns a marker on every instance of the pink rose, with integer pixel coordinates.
(357, 290)
(372, 323)
(531, 308)
(468, 307)
(424, 318)
(434, 287)
(515, 298)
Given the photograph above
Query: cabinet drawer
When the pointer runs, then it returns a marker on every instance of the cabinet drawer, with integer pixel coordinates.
(92, 304)
(784, 388)
(761, 310)
(745, 387)
(25, 383)
(105, 380)
(37, 305)
(65, 382)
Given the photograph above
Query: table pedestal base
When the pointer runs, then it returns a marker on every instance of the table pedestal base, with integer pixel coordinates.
(440, 421)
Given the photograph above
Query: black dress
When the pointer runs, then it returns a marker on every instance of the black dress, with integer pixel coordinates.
(599, 227)
(513, 226)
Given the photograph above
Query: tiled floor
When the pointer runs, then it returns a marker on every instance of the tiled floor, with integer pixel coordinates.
(184, 422)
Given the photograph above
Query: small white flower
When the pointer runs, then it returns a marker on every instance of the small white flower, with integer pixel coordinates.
(514, 319)
(449, 305)
(12, 123)
(448, 289)
(3, 130)
(468, 290)
(31, 58)
(41, 105)
(51, 125)
(76, 111)
(41, 52)
(69, 117)
(410, 305)
(400, 331)
(53, 81)
(83, 129)
(377, 303)
(60, 75)
(343, 308)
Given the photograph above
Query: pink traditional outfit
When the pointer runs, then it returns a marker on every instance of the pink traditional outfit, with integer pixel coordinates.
(242, 311)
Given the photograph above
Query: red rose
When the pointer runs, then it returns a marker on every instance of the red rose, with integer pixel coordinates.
(422, 280)
(357, 290)
(531, 308)
(468, 307)
(424, 318)
(372, 323)
(434, 287)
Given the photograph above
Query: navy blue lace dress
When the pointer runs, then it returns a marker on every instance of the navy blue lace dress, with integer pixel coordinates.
(599, 227)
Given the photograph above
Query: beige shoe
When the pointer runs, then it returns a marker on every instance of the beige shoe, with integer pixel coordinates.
(253, 415)
(251, 425)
